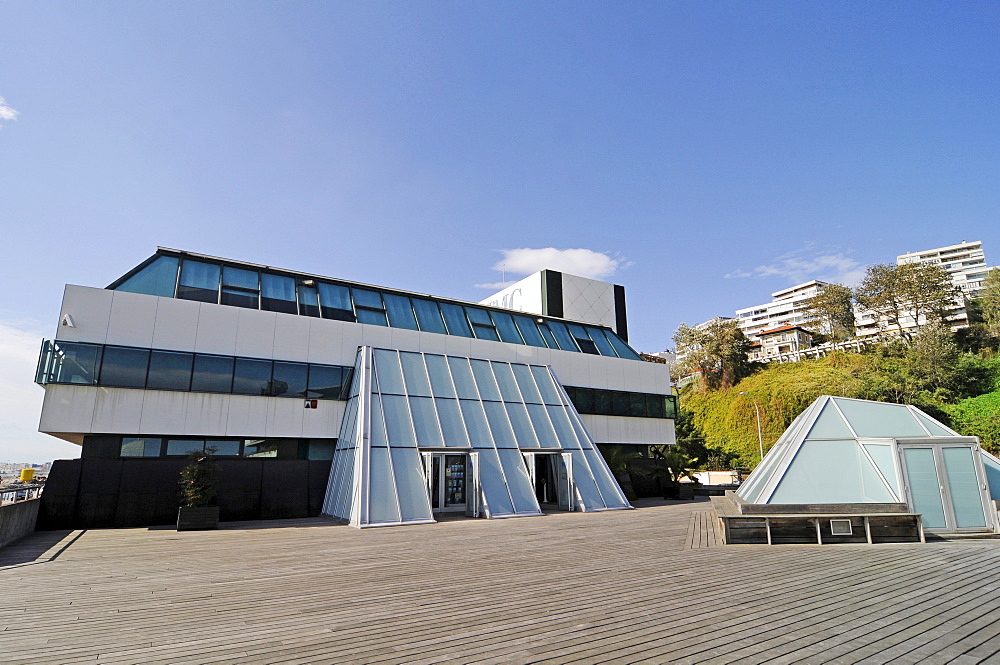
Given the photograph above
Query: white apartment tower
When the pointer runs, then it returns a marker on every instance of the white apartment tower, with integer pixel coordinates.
(787, 308)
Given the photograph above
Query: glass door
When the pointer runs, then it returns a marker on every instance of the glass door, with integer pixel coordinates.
(946, 486)
(564, 473)
(447, 481)
(472, 485)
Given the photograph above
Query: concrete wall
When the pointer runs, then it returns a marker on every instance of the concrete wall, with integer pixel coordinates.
(17, 520)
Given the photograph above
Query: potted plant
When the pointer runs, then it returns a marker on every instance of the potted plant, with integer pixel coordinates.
(672, 466)
(197, 485)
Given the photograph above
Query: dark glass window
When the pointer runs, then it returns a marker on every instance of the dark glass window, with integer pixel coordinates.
(583, 339)
(335, 301)
(223, 447)
(184, 446)
(637, 405)
(159, 278)
(619, 403)
(252, 377)
(212, 374)
(603, 404)
(199, 281)
(550, 339)
(429, 316)
(670, 404)
(482, 324)
(454, 316)
(583, 399)
(277, 293)
(320, 449)
(369, 307)
(140, 447)
(240, 287)
(621, 348)
(260, 448)
(400, 311)
(529, 331)
(72, 362)
(308, 301)
(506, 328)
(601, 342)
(289, 379)
(348, 384)
(655, 406)
(124, 367)
(325, 382)
(169, 370)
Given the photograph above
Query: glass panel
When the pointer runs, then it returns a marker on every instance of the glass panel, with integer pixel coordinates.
(479, 316)
(583, 339)
(75, 363)
(880, 419)
(924, 487)
(454, 316)
(199, 281)
(441, 384)
(429, 316)
(325, 381)
(308, 300)
(377, 432)
(212, 374)
(375, 317)
(408, 470)
(260, 448)
(610, 491)
(883, 457)
(237, 298)
(830, 425)
(563, 338)
(518, 481)
(240, 278)
(503, 435)
(485, 332)
(277, 293)
(585, 483)
(506, 381)
(550, 339)
(475, 422)
(252, 377)
(484, 380)
(506, 328)
(543, 378)
(184, 446)
(491, 478)
(425, 422)
(365, 298)
(319, 449)
(335, 301)
(290, 379)
(621, 348)
(381, 492)
(964, 487)
(656, 406)
(601, 342)
(400, 312)
(527, 384)
(452, 423)
(390, 378)
(564, 429)
(603, 402)
(124, 367)
(670, 403)
(529, 331)
(461, 373)
(543, 428)
(397, 421)
(935, 428)
(140, 447)
(636, 405)
(159, 278)
(223, 447)
(415, 374)
(992, 468)
(830, 472)
(169, 370)
(619, 403)
(523, 431)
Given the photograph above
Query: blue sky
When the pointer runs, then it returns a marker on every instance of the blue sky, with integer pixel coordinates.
(711, 152)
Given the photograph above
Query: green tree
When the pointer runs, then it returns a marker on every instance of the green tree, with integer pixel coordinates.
(922, 291)
(989, 301)
(833, 310)
(717, 349)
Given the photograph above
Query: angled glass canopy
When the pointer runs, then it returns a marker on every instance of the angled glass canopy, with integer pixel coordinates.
(489, 424)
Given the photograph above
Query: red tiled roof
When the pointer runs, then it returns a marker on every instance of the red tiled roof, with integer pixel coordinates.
(784, 328)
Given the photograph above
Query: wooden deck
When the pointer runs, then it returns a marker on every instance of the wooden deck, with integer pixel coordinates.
(651, 585)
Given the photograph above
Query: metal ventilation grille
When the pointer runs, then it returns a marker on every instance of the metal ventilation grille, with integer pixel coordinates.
(840, 527)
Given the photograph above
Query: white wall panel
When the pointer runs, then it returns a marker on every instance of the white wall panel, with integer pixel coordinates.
(133, 316)
(291, 337)
(176, 327)
(457, 346)
(284, 417)
(323, 422)
(68, 409)
(247, 416)
(163, 412)
(90, 310)
(255, 333)
(406, 340)
(352, 336)
(217, 329)
(206, 414)
(378, 336)
(117, 410)
(325, 342)
(433, 343)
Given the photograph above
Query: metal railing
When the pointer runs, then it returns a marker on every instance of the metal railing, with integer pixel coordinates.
(17, 493)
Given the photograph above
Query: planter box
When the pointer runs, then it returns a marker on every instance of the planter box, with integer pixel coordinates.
(196, 519)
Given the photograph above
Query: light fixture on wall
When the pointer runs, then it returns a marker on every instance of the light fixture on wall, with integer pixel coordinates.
(308, 282)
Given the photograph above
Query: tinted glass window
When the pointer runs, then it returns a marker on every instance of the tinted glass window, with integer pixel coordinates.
(400, 312)
(480, 316)
(454, 316)
(289, 379)
(260, 448)
(159, 278)
(437, 368)
(415, 374)
(74, 363)
(655, 407)
(637, 405)
(335, 301)
(223, 447)
(619, 403)
(277, 293)
(184, 446)
(364, 298)
(429, 316)
(140, 447)
(375, 317)
(602, 343)
(529, 331)
(621, 348)
(583, 400)
(308, 301)
(583, 339)
(199, 281)
(124, 367)
(212, 374)
(563, 338)
(603, 405)
(506, 328)
(240, 278)
(485, 332)
(325, 382)
(169, 370)
(252, 377)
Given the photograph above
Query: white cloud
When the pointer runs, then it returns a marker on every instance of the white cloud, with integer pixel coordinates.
(496, 286)
(21, 403)
(582, 262)
(807, 264)
(6, 112)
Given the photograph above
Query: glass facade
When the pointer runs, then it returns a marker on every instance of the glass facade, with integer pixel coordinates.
(244, 286)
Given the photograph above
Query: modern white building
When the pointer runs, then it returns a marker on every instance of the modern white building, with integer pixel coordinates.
(787, 308)
(450, 406)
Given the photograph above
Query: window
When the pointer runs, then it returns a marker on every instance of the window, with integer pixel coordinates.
(169, 370)
(124, 367)
(212, 374)
(277, 293)
(529, 331)
(335, 302)
(369, 306)
(601, 342)
(289, 379)
(223, 447)
(454, 316)
(252, 377)
(179, 447)
(400, 311)
(260, 448)
(482, 324)
(159, 278)
(326, 382)
(308, 300)
(562, 337)
(583, 339)
(140, 447)
(69, 362)
(505, 327)
(429, 316)
(240, 287)
(199, 281)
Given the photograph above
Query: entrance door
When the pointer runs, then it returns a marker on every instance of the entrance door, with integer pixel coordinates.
(552, 479)
(945, 485)
(447, 481)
